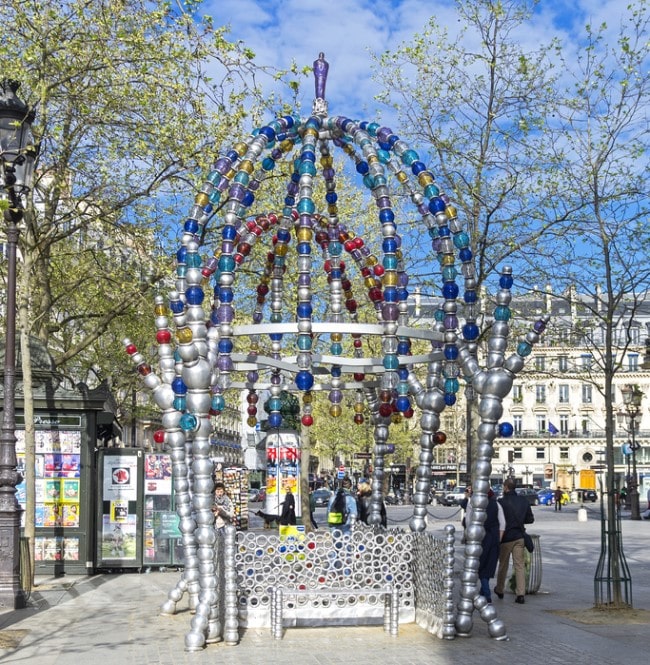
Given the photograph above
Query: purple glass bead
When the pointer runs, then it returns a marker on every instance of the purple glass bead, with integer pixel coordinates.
(390, 311)
(225, 314)
(252, 377)
(237, 192)
(276, 379)
(540, 326)
(451, 322)
(222, 165)
(225, 364)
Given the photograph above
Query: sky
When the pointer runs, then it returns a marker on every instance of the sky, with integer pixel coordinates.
(282, 31)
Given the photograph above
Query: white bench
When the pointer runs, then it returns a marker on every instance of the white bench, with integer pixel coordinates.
(390, 595)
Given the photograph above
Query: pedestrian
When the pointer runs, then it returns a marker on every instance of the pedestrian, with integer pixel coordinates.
(495, 526)
(288, 515)
(464, 502)
(558, 499)
(222, 508)
(517, 512)
(342, 509)
(364, 501)
(312, 508)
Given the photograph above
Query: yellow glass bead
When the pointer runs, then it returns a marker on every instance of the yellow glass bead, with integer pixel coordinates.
(202, 199)
(371, 261)
(251, 421)
(161, 310)
(311, 132)
(332, 208)
(281, 250)
(326, 161)
(425, 179)
(402, 177)
(451, 211)
(247, 166)
(337, 337)
(390, 278)
(230, 174)
(240, 148)
(304, 234)
(335, 410)
(286, 145)
(358, 407)
(447, 260)
(372, 159)
(307, 398)
(184, 335)
(369, 282)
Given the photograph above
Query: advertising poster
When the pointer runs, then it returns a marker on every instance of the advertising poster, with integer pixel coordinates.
(158, 474)
(119, 511)
(71, 515)
(119, 539)
(70, 491)
(120, 477)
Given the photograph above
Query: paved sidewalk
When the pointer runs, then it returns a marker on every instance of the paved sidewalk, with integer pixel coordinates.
(113, 619)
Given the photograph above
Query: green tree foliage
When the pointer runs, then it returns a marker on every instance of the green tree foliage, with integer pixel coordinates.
(133, 102)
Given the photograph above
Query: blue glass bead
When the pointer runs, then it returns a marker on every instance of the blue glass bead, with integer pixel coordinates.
(306, 206)
(176, 306)
(372, 129)
(451, 352)
(178, 386)
(248, 199)
(331, 197)
(403, 349)
(181, 255)
(368, 181)
(218, 402)
(304, 310)
(304, 248)
(307, 168)
(336, 248)
(214, 177)
(409, 156)
(242, 178)
(229, 232)
(336, 348)
(275, 337)
(275, 420)
(502, 313)
(191, 226)
(451, 385)
(226, 263)
(386, 215)
(274, 403)
(431, 191)
(188, 422)
(389, 245)
(436, 205)
(443, 231)
(226, 294)
(392, 139)
(289, 120)
(313, 122)
(417, 167)
(308, 155)
(232, 155)
(470, 331)
(390, 361)
(450, 290)
(390, 262)
(461, 239)
(194, 295)
(390, 294)
(450, 399)
(304, 380)
(384, 145)
(524, 349)
(465, 255)
(383, 156)
(268, 132)
(403, 404)
(449, 273)
(284, 235)
(439, 315)
(295, 177)
(362, 167)
(276, 317)
(225, 345)
(193, 260)
(179, 403)
(289, 201)
(539, 326)
(403, 372)
(304, 342)
(505, 281)
(215, 197)
(506, 429)
(336, 273)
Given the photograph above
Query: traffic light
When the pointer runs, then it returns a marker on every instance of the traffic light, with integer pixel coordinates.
(511, 456)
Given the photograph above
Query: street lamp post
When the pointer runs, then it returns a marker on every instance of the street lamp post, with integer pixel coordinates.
(17, 154)
(632, 397)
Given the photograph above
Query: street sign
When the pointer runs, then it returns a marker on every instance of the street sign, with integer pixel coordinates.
(362, 455)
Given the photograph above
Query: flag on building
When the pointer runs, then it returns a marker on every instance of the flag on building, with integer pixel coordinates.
(552, 429)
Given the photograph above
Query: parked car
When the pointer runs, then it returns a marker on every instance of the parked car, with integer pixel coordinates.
(453, 497)
(253, 495)
(529, 493)
(588, 495)
(546, 497)
(321, 497)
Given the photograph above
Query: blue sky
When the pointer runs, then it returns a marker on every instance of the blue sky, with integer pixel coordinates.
(280, 31)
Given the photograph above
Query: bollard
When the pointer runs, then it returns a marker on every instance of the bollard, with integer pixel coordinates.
(582, 514)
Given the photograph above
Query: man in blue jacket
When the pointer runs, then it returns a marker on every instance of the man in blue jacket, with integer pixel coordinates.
(517, 512)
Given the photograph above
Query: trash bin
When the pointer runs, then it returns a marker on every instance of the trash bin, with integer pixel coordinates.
(534, 566)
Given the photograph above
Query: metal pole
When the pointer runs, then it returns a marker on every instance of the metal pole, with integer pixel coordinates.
(633, 490)
(11, 593)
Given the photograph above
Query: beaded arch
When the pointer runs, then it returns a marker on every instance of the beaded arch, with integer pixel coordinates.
(199, 359)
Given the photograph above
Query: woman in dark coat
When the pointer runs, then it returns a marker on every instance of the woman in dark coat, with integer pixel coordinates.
(288, 515)
(495, 525)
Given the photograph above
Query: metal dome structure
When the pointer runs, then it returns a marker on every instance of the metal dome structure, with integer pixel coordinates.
(203, 353)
